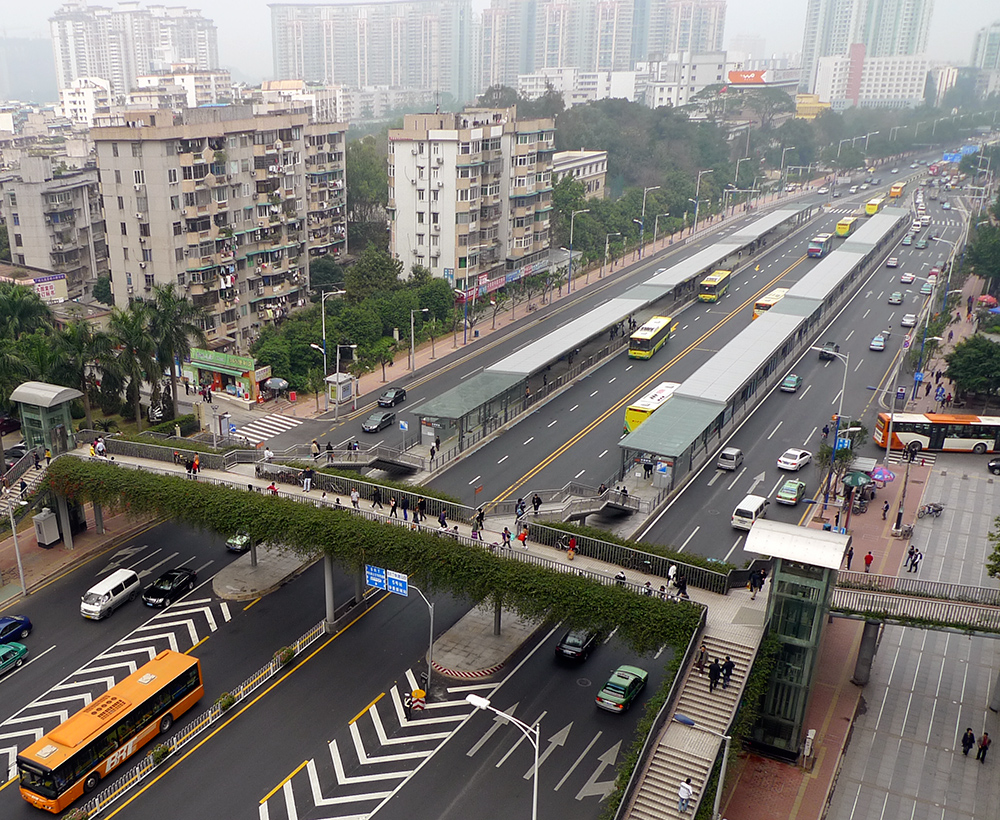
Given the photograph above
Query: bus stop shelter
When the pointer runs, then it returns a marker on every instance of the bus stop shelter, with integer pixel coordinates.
(46, 420)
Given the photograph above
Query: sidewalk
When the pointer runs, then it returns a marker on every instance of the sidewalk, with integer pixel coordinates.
(763, 788)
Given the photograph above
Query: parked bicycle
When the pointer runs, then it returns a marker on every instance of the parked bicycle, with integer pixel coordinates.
(934, 510)
(860, 506)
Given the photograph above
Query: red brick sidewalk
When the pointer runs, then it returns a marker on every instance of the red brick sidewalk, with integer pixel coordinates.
(763, 789)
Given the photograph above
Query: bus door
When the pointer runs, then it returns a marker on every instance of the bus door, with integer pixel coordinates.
(937, 435)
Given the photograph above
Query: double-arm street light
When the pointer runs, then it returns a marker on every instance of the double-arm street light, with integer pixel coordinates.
(413, 350)
(532, 733)
(572, 219)
(951, 264)
(322, 307)
(686, 721)
(642, 223)
(868, 136)
(736, 176)
(607, 239)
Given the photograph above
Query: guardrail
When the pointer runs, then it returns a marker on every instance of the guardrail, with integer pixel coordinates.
(906, 608)
(919, 588)
(141, 770)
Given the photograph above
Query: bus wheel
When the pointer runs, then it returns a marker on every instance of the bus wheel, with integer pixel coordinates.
(165, 723)
(91, 782)
(979, 448)
(914, 446)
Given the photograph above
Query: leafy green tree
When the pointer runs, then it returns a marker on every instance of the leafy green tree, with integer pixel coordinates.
(174, 322)
(497, 96)
(102, 291)
(381, 354)
(974, 366)
(4, 244)
(376, 272)
(135, 352)
(325, 274)
(13, 369)
(21, 311)
(80, 350)
(367, 193)
(983, 253)
(272, 348)
(993, 561)
(768, 104)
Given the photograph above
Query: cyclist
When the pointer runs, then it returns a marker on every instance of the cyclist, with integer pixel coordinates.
(826, 431)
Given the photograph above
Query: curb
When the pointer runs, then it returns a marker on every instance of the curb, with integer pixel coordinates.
(231, 594)
(462, 675)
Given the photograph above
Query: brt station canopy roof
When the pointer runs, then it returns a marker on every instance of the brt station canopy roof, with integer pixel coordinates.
(482, 396)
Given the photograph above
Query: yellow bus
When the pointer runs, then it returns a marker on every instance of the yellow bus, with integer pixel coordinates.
(873, 206)
(765, 303)
(637, 413)
(71, 759)
(714, 286)
(847, 225)
(649, 338)
(896, 191)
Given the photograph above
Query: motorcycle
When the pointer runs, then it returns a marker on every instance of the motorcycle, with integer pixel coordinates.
(934, 510)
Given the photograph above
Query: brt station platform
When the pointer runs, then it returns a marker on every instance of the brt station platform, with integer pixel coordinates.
(491, 400)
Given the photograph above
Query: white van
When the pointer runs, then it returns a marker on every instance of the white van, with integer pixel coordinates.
(107, 595)
(749, 510)
(730, 459)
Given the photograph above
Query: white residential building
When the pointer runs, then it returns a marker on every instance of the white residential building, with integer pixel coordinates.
(986, 48)
(470, 195)
(123, 43)
(84, 99)
(578, 86)
(684, 25)
(853, 80)
(679, 78)
(201, 87)
(589, 168)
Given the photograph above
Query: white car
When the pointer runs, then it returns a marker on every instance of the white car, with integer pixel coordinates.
(794, 459)
(892, 262)
(907, 278)
(823, 190)
(909, 320)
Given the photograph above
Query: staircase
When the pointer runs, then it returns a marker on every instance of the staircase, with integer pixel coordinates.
(686, 751)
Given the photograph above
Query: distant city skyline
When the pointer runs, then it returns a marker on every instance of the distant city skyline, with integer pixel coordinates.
(245, 27)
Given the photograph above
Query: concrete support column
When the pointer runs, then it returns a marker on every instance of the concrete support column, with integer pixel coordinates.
(995, 700)
(62, 510)
(866, 653)
(328, 588)
(98, 519)
(497, 612)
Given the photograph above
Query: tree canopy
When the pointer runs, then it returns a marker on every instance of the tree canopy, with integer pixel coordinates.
(974, 366)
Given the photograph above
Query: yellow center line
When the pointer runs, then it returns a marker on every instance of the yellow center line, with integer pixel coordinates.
(255, 601)
(248, 706)
(362, 713)
(639, 389)
(193, 648)
(281, 785)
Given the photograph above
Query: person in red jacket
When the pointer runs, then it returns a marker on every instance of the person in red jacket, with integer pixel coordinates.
(869, 559)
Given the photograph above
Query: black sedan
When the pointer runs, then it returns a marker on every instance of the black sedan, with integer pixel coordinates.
(378, 421)
(392, 397)
(170, 586)
(576, 645)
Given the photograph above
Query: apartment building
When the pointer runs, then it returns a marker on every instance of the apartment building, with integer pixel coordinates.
(578, 87)
(200, 87)
(589, 168)
(85, 99)
(404, 43)
(684, 25)
(855, 80)
(986, 48)
(212, 200)
(470, 195)
(125, 42)
(680, 77)
(54, 222)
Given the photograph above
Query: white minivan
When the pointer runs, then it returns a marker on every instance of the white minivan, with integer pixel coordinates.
(108, 594)
(749, 510)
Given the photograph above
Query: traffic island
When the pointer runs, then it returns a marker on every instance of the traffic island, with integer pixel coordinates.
(474, 649)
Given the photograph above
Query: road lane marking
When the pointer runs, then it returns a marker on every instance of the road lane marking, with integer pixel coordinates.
(579, 474)
(571, 409)
(475, 480)
(808, 388)
(739, 475)
(362, 712)
(578, 761)
(252, 603)
(775, 430)
(554, 421)
(593, 394)
(281, 785)
(602, 455)
(529, 441)
(694, 532)
(501, 461)
(732, 549)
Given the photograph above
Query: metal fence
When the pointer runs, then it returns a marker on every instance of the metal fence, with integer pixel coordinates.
(881, 606)
(919, 588)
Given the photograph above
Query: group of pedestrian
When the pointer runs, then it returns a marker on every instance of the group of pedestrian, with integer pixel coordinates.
(756, 581)
(206, 394)
(913, 559)
(719, 672)
(193, 466)
(619, 329)
(969, 740)
(98, 447)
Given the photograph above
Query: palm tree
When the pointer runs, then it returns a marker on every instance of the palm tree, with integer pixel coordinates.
(135, 351)
(174, 322)
(80, 351)
(21, 311)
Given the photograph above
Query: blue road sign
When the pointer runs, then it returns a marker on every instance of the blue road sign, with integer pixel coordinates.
(918, 377)
(375, 576)
(843, 444)
(398, 583)
(404, 426)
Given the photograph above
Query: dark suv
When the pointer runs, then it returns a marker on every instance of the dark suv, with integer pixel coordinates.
(828, 350)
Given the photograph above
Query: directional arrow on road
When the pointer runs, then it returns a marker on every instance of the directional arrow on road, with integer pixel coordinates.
(757, 479)
(497, 722)
(602, 788)
(558, 739)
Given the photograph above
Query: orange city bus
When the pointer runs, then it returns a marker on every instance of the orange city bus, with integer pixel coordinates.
(939, 431)
(71, 759)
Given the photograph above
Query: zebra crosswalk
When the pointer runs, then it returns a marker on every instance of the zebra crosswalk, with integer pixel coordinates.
(896, 457)
(266, 428)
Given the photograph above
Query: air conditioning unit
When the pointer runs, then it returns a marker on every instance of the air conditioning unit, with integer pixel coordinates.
(142, 265)
(414, 180)
(142, 240)
(440, 184)
(131, 290)
(439, 160)
(139, 216)
(260, 291)
(413, 151)
(137, 187)
(261, 223)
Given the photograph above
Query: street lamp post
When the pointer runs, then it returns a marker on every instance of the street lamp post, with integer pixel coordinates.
(841, 145)
(322, 307)
(736, 176)
(697, 192)
(532, 733)
(413, 350)
(642, 224)
(951, 264)
(686, 721)
(607, 239)
(846, 359)
(656, 227)
(782, 173)
(572, 219)
(868, 136)
(13, 531)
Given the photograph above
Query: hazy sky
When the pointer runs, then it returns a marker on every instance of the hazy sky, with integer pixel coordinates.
(245, 30)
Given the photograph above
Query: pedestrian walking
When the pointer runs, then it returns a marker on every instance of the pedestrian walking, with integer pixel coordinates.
(38, 459)
(268, 454)
(377, 498)
(756, 583)
(869, 560)
(927, 389)
(355, 498)
(984, 747)
(701, 658)
(392, 508)
(437, 443)
(23, 487)
(433, 452)
(536, 502)
(272, 488)
(421, 510)
(480, 518)
(443, 520)
(727, 671)
(682, 587)
(197, 465)
(314, 449)
(671, 574)
(918, 556)
(307, 479)
(684, 794)
(404, 504)
(329, 452)
(909, 556)
(850, 556)
(505, 537)
(714, 675)
(968, 741)
(885, 510)
(48, 456)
